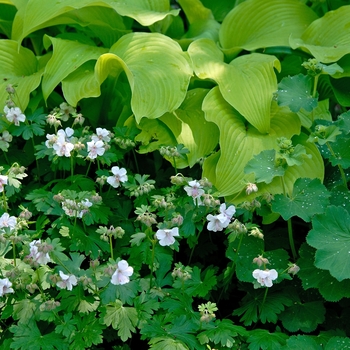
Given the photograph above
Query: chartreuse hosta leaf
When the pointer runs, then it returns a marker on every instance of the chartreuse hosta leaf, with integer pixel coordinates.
(327, 38)
(41, 13)
(186, 126)
(330, 236)
(239, 142)
(309, 197)
(247, 83)
(157, 69)
(67, 56)
(257, 24)
(19, 67)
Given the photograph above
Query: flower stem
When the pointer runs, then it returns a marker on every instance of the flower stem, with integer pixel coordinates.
(111, 245)
(192, 250)
(264, 299)
(291, 239)
(152, 263)
(14, 253)
(342, 173)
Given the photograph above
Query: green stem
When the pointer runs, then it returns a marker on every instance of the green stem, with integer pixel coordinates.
(111, 245)
(4, 201)
(175, 167)
(152, 264)
(291, 239)
(315, 86)
(342, 173)
(14, 253)
(6, 158)
(36, 162)
(192, 250)
(264, 299)
(71, 167)
(136, 163)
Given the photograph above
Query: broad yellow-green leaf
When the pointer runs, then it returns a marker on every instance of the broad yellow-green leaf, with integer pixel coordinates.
(239, 141)
(257, 24)
(247, 83)
(41, 13)
(20, 68)
(186, 126)
(67, 57)
(81, 84)
(191, 129)
(157, 69)
(7, 13)
(328, 38)
(195, 11)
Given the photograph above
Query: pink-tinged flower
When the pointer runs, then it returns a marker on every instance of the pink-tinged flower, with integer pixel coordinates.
(67, 281)
(101, 134)
(3, 181)
(62, 147)
(8, 221)
(119, 175)
(217, 222)
(5, 286)
(40, 257)
(14, 115)
(6, 136)
(227, 213)
(265, 277)
(194, 190)
(122, 273)
(166, 236)
(95, 148)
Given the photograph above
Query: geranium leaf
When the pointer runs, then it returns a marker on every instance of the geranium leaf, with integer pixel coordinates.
(303, 317)
(330, 235)
(296, 93)
(263, 339)
(161, 343)
(142, 56)
(248, 26)
(264, 166)
(327, 38)
(301, 342)
(340, 154)
(309, 197)
(338, 343)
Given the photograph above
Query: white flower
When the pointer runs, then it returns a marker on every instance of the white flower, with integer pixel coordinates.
(62, 147)
(3, 181)
(67, 281)
(119, 175)
(84, 205)
(227, 213)
(5, 286)
(6, 136)
(101, 134)
(217, 222)
(66, 110)
(8, 221)
(265, 277)
(39, 257)
(14, 115)
(166, 236)
(95, 148)
(194, 190)
(122, 273)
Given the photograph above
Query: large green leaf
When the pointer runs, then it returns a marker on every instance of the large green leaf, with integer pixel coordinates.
(327, 38)
(67, 56)
(157, 69)
(258, 24)
(42, 13)
(331, 237)
(247, 83)
(19, 67)
(239, 141)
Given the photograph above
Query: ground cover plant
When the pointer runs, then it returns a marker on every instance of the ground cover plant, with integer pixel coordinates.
(174, 174)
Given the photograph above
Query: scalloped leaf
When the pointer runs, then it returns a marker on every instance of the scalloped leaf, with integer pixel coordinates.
(309, 197)
(42, 13)
(331, 237)
(19, 67)
(256, 80)
(327, 38)
(239, 142)
(157, 69)
(296, 93)
(250, 26)
(67, 56)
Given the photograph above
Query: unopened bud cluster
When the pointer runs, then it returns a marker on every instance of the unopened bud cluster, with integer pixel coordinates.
(107, 232)
(124, 143)
(182, 272)
(237, 227)
(169, 151)
(256, 232)
(207, 311)
(142, 189)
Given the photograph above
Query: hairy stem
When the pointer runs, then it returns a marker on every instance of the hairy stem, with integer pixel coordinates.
(291, 239)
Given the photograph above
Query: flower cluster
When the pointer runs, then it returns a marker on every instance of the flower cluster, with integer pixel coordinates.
(222, 220)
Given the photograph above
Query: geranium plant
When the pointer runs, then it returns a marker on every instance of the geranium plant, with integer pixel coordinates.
(174, 174)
